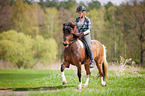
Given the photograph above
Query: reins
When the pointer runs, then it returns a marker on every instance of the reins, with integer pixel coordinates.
(73, 33)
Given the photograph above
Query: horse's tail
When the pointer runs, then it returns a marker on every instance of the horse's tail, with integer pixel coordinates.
(105, 65)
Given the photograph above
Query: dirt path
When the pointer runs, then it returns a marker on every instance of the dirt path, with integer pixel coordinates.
(10, 92)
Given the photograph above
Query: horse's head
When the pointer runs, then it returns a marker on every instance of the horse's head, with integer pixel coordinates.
(68, 33)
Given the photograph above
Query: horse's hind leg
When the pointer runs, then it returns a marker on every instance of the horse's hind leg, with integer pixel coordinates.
(99, 65)
(79, 75)
(65, 64)
(88, 74)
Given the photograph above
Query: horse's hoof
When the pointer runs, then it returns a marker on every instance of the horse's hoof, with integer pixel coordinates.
(103, 83)
(84, 85)
(64, 82)
(79, 88)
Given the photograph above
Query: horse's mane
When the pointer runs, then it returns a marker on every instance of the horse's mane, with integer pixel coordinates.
(70, 26)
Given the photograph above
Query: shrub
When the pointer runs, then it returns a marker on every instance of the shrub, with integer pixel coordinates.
(17, 48)
(45, 50)
(24, 51)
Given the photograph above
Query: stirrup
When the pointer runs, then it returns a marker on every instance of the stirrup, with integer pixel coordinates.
(92, 65)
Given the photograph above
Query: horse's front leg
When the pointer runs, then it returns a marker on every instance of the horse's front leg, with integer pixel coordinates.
(63, 66)
(79, 75)
(88, 75)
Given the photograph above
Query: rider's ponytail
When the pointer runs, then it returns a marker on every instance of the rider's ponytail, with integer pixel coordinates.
(84, 13)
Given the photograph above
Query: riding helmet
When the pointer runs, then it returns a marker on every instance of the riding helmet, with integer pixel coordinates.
(80, 8)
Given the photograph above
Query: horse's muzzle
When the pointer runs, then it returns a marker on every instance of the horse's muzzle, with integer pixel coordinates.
(65, 44)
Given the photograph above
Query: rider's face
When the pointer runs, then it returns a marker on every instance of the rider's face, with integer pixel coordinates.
(80, 14)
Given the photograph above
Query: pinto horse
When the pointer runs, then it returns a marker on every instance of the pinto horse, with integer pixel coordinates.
(75, 54)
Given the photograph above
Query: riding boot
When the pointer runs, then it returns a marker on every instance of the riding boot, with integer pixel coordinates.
(92, 63)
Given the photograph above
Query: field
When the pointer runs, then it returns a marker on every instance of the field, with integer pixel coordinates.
(48, 83)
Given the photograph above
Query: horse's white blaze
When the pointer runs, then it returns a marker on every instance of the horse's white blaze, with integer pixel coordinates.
(102, 82)
(63, 77)
(81, 44)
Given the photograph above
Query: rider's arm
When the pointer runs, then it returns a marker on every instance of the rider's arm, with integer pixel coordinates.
(87, 28)
(87, 31)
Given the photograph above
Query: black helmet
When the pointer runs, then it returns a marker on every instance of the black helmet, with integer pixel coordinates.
(80, 8)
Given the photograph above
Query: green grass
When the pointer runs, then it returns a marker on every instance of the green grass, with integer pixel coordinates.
(49, 81)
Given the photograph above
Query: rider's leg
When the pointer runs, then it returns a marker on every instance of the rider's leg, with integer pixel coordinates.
(87, 40)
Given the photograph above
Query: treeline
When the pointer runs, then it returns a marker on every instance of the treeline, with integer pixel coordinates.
(120, 28)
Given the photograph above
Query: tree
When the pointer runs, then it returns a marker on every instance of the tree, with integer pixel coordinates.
(48, 3)
(112, 35)
(5, 10)
(24, 19)
(67, 4)
(122, 16)
(138, 24)
(53, 26)
(97, 22)
(39, 13)
(112, 10)
(94, 5)
(131, 18)
(45, 50)
(50, 26)
(109, 4)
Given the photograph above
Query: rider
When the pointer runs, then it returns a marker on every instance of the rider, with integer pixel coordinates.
(84, 27)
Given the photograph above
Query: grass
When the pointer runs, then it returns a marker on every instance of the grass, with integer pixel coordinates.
(48, 83)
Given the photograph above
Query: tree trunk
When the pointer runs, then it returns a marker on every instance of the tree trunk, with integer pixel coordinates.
(19, 66)
(142, 58)
(142, 50)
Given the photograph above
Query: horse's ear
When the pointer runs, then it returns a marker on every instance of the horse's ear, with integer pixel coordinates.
(72, 24)
(64, 24)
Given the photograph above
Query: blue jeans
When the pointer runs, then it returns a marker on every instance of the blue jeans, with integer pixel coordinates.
(86, 39)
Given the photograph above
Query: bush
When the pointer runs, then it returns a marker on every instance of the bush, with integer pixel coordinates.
(137, 61)
(45, 50)
(24, 51)
(17, 48)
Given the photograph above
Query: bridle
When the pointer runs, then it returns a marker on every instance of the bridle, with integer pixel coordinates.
(71, 40)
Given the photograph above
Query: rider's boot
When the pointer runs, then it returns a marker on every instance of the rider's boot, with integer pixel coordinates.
(92, 63)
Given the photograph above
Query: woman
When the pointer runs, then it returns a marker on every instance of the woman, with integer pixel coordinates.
(84, 27)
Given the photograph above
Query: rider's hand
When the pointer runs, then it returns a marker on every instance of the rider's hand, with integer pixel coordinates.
(79, 35)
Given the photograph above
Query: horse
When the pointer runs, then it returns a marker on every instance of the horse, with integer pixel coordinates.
(75, 54)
